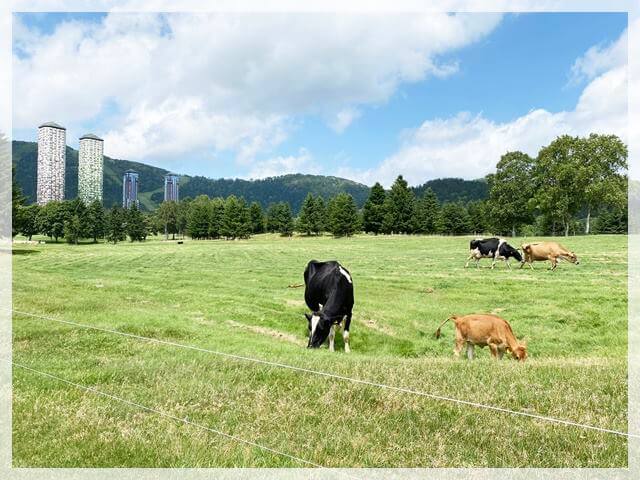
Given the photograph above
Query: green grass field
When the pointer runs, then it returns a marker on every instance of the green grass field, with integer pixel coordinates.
(233, 297)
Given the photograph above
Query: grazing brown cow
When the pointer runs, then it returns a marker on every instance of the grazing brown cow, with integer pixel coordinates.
(482, 330)
(551, 251)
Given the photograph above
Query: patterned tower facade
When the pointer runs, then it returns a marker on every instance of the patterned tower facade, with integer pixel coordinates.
(90, 168)
(130, 189)
(52, 143)
(171, 187)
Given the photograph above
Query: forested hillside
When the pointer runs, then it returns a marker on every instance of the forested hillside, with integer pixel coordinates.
(286, 188)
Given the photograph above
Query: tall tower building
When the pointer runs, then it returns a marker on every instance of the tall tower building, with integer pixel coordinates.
(90, 167)
(130, 189)
(52, 144)
(171, 184)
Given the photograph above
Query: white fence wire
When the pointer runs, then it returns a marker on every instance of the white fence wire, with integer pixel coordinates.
(409, 391)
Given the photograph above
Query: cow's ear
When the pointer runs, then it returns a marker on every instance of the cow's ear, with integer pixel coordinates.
(308, 317)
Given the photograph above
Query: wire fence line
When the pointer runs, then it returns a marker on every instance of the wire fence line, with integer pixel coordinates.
(172, 417)
(369, 383)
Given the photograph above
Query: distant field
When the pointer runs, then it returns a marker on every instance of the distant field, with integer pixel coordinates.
(233, 297)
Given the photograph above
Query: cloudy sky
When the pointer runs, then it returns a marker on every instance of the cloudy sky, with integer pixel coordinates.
(364, 96)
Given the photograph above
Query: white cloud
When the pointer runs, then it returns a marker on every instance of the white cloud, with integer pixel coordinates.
(237, 81)
(469, 146)
(303, 162)
(343, 119)
(599, 59)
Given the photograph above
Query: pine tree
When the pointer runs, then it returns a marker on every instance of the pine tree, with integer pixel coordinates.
(285, 219)
(116, 224)
(216, 217)
(95, 220)
(307, 215)
(136, 224)
(343, 215)
(399, 208)
(319, 216)
(428, 213)
(73, 229)
(373, 210)
(257, 218)
(198, 217)
(236, 221)
(455, 219)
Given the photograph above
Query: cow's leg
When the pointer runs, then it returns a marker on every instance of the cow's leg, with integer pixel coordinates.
(477, 262)
(345, 334)
(554, 262)
(506, 260)
(332, 338)
(500, 353)
(494, 350)
(468, 260)
(470, 350)
(458, 345)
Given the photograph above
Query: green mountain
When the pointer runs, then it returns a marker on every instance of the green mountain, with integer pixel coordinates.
(289, 188)
(454, 189)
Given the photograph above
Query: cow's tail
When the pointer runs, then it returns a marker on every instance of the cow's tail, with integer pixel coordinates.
(452, 317)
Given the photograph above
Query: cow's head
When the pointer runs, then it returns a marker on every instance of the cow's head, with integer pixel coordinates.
(513, 253)
(572, 258)
(520, 352)
(319, 327)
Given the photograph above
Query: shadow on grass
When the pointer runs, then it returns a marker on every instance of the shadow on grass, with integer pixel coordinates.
(24, 251)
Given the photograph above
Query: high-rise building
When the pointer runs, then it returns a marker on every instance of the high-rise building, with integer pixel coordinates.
(52, 144)
(130, 189)
(90, 167)
(171, 184)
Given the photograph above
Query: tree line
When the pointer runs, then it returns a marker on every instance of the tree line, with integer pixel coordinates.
(560, 191)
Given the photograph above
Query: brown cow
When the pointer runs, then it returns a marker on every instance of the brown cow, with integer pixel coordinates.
(482, 330)
(551, 251)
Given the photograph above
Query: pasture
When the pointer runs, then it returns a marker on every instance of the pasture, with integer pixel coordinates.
(233, 297)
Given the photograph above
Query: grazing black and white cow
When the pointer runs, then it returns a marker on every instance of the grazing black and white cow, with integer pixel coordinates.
(329, 294)
(494, 248)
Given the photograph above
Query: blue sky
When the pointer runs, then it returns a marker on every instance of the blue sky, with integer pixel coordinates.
(271, 103)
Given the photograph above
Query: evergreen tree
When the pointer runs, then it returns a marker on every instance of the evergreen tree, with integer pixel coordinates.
(29, 220)
(399, 208)
(318, 217)
(198, 217)
(455, 219)
(216, 217)
(181, 215)
(136, 224)
(478, 216)
(17, 201)
(280, 219)
(116, 224)
(428, 213)
(73, 229)
(307, 215)
(285, 220)
(373, 210)
(236, 221)
(343, 215)
(95, 220)
(257, 218)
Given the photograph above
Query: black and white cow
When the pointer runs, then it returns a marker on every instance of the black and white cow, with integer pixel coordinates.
(494, 248)
(329, 294)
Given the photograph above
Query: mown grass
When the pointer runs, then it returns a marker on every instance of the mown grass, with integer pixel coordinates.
(233, 297)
